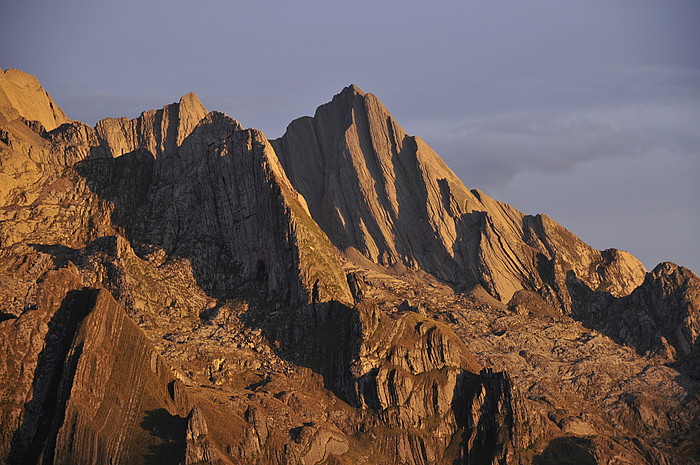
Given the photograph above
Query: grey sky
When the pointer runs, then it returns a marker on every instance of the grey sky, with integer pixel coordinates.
(588, 111)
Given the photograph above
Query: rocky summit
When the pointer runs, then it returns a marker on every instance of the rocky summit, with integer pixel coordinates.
(177, 289)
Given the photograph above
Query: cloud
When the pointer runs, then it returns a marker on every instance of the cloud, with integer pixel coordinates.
(488, 152)
(622, 175)
(532, 102)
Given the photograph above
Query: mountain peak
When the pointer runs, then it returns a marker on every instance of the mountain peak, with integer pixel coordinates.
(21, 95)
(158, 131)
(346, 281)
(352, 89)
(409, 208)
(191, 99)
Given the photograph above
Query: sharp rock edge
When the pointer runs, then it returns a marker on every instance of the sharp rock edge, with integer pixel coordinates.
(179, 289)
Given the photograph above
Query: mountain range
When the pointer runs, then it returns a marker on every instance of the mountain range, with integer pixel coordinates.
(176, 288)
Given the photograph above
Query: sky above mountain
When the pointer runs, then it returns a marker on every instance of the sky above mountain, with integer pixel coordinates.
(587, 111)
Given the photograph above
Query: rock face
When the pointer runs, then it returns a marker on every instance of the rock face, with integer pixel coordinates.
(158, 131)
(32, 360)
(419, 377)
(21, 95)
(375, 189)
(96, 378)
(498, 422)
(661, 316)
(118, 377)
(217, 197)
(199, 449)
(175, 288)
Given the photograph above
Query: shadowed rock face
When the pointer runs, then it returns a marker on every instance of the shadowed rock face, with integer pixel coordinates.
(221, 200)
(374, 188)
(96, 378)
(114, 378)
(661, 316)
(177, 289)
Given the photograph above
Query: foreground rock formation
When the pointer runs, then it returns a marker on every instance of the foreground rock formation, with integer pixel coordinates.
(178, 289)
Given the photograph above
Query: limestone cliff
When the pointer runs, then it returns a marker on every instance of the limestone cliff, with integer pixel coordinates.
(33, 350)
(96, 377)
(219, 198)
(373, 188)
(167, 295)
(192, 183)
(21, 95)
(661, 316)
(158, 131)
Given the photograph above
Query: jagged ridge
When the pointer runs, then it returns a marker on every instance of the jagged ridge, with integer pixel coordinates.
(199, 232)
(374, 188)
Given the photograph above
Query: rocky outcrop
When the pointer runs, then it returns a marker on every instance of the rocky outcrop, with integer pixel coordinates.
(21, 95)
(498, 422)
(99, 391)
(320, 442)
(661, 316)
(34, 346)
(670, 297)
(113, 383)
(167, 295)
(221, 200)
(160, 132)
(375, 189)
(199, 448)
(411, 371)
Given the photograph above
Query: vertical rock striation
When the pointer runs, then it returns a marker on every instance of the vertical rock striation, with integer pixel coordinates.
(161, 132)
(99, 388)
(113, 383)
(219, 198)
(34, 346)
(661, 316)
(21, 95)
(373, 188)
(173, 290)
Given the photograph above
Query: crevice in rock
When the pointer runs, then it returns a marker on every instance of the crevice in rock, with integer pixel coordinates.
(35, 440)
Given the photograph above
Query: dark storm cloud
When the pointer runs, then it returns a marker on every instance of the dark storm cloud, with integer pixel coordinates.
(585, 110)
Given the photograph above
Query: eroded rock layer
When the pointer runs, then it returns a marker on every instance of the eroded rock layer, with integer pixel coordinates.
(375, 189)
(22, 96)
(177, 289)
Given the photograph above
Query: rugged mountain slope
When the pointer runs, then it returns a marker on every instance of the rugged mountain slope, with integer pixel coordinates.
(375, 189)
(21, 95)
(96, 373)
(167, 295)
(661, 316)
(194, 184)
(217, 197)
